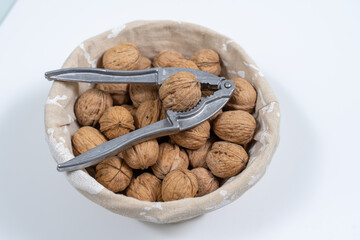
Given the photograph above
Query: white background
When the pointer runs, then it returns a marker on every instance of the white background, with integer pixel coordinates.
(308, 50)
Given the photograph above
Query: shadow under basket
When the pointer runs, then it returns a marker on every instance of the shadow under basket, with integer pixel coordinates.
(151, 37)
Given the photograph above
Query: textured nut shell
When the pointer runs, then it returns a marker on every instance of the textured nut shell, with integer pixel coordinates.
(226, 159)
(140, 93)
(91, 105)
(147, 113)
(235, 126)
(179, 184)
(144, 63)
(197, 158)
(243, 97)
(207, 60)
(142, 155)
(116, 121)
(183, 63)
(120, 99)
(130, 108)
(211, 119)
(113, 88)
(85, 139)
(170, 157)
(207, 183)
(165, 57)
(114, 174)
(145, 187)
(124, 56)
(193, 138)
(180, 92)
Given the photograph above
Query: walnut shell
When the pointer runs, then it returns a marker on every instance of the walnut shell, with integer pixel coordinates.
(179, 184)
(197, 158)
(113, 88)
(207, 183)
(207, 60)
(183, 63)
(144, 63)
(120, 99)
(142, 155)
(243, 97)
(147, 113)
(170, 157)
(226, 159)
(116, 121)
(85, 139)
(235, 126)
(140, 93)
(145, 187)
(124, 56)
(130, 108)
(180, 92)
(193, 138)
(91, 105)
(165, 57)
(114, 174)
(212, 118)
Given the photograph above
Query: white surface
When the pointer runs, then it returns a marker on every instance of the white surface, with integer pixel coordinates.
(309, 52)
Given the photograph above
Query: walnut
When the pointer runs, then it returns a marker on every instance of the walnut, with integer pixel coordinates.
(207, 60)
(180, 92)
(197, 158)
(124, 57)
(142, 155)
(85, 139)
(170, 157)
(114, 174)
(183, 63)
(120, 99)
(226, 159)
(147, 113)
(211, 119)
(140, 93)
(165, 57)
(235, 126)
(130, 108)
(145, 187)
(207, 183)
(207, 92)
(144, 63)
(193, 138)
(116, 121)
(118, 91)
(243, 97)
(179, 184)
(91, 105)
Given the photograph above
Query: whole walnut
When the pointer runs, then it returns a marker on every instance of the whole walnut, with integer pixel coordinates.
(235, 126)
(114, 174)
(226, 159)
(147, 113)
(207, 183)
(116, 121)
(193, 138)
(170, 157)
(145, 187)
(165, 57)
(179, 184)
(140, 93)
(183, 63)
(144, 63)
(142, 155)
(243, 97)
(180, 92)
(91, 105)
(120, 99)
(124, 57)
(197, 157)
(211, 119)
(118, 91)
(207, 60)
(130, 108)
(85, 139)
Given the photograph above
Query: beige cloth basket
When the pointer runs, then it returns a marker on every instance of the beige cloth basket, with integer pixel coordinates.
(152, 37)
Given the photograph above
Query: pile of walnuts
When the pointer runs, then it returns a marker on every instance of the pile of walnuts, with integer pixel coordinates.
(191, 163)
